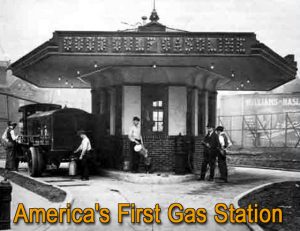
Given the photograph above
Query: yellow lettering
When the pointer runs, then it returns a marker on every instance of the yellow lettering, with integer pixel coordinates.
(20, 214)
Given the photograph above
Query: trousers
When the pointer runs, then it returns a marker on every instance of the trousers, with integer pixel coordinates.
(84, 163)
(135, 157)
(209, 160)
(223, 166)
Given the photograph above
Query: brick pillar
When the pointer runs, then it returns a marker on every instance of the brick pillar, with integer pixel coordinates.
(198, 154)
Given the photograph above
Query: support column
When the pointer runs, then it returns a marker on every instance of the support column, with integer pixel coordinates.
(119, 105)
(212, 108)
(189, 114)
(112, 109)
(95, 101)
(202, 111)
(101, 108)
(195, 112)
(202, 119)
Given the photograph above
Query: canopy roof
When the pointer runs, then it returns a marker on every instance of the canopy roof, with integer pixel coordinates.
(70, 56)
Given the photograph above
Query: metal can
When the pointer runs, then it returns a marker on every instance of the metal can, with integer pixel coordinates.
(73, 167)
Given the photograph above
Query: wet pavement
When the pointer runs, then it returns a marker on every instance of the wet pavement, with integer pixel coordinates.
(108, 192)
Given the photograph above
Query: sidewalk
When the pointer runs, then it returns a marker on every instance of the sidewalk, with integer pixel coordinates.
(29, 199)
(108, 192)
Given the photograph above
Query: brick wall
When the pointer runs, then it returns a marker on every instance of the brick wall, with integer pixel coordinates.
(168, 153)
(289, 161)
(161, 150)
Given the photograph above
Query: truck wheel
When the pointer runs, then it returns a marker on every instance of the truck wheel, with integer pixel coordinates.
(35, 162)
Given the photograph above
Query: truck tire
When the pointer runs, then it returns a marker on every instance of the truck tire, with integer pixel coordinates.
(35, 162)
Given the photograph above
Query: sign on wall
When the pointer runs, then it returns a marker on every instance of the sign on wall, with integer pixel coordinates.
(166, 44)
(271, 103)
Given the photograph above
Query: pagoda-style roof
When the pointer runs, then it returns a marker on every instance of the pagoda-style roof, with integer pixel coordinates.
(246, 63)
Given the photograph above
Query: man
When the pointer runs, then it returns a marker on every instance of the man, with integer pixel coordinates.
(10, 142)
(85, 148)
(211, 147)
(225, 143)
(135, 137)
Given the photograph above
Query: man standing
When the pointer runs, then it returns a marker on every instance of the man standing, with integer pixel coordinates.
(85, 148)
(211, 148)
(225, 143)
(135, 137)
(10, 140)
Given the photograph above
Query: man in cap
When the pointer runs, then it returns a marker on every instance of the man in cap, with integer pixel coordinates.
(135, 137)
(10, 139)
(85, 148)
(211, 147)
(225, 143)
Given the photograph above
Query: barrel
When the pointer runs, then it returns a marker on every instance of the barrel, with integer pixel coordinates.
(73, 167)
(5, 200)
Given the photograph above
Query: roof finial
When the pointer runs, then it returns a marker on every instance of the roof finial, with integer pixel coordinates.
(154, 16)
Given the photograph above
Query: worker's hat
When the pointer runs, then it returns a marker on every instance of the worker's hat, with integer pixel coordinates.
(81, 132)
(10, 123)
(220, 128)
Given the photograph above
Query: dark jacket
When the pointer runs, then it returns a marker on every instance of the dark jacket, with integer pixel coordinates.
(212, 142)
(8, 135)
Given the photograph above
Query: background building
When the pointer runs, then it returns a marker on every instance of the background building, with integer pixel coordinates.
(263, 119)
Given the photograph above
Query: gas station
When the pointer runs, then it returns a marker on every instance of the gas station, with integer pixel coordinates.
(169, 78)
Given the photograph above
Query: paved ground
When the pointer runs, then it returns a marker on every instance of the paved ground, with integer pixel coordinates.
(109, 192)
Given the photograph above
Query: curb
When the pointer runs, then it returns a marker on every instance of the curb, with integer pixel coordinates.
(262, 167)
(143, 178)
(253, 226)
(68, 198)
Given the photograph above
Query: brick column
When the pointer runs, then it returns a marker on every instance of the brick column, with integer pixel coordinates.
(198, 154)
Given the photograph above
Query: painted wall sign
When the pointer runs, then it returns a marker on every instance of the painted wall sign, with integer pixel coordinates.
(165, 44)
(273, 101)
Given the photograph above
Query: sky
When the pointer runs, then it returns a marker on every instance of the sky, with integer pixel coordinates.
(25, 24)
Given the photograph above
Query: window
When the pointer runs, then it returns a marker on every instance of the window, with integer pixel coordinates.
(158, 116)
(154, 110)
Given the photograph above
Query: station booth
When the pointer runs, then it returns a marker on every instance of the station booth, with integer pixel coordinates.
(169, 78)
